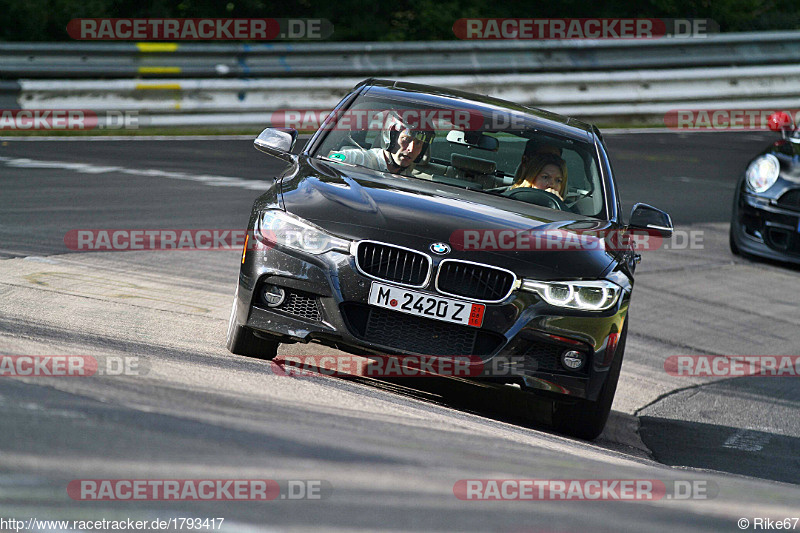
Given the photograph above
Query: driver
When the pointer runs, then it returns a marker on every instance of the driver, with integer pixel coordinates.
(545, 171)
(402, 147)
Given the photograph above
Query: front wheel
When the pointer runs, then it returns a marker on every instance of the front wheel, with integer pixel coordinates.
(586, 419)
(732, 242)
(242, 341)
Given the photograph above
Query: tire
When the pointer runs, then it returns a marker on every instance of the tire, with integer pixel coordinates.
(242, 341)
(732, 242)
(735, 250)
(586, 419)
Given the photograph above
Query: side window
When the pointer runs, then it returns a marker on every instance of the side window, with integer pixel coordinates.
(371, 138)
(576, 172)
(583, 185)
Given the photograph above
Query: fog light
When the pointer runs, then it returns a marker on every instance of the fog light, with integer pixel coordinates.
(573, 360)
(273, 296)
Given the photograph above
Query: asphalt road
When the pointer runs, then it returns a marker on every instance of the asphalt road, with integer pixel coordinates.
(52, 186)
(390, 454)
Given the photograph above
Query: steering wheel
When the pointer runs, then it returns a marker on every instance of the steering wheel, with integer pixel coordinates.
(541, 197)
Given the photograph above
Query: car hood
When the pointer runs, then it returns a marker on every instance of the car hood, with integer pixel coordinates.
(357, 203)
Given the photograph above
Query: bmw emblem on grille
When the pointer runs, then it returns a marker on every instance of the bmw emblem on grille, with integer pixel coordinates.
(440, 248)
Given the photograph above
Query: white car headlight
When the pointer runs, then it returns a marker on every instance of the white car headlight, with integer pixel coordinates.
(763, 173)
(280, 228)
(584, 295)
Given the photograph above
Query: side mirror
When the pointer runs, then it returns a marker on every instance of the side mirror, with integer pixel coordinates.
(650, 219)
(277, 142)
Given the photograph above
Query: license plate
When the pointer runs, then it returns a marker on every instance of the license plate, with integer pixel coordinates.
(426, 305)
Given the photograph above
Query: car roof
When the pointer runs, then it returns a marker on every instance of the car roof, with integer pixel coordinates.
(564, 125)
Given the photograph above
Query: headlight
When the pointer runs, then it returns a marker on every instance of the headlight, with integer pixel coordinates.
(763, 172)
(584, 295)
(279, 228)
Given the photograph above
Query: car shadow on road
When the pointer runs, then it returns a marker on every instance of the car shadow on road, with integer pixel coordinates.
(500, 403)
(494, 400)
(727, 449)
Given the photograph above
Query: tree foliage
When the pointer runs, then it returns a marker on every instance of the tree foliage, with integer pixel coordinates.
(392, 20)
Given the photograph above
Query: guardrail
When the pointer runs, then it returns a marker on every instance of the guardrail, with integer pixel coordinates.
(595, 94)
(598, 80)
(120, 60)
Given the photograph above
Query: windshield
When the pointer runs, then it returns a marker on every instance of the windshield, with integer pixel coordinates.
(470, 148)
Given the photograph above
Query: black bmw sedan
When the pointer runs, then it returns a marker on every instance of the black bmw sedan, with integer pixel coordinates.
(425, 221)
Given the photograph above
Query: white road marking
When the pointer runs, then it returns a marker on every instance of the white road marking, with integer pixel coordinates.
(747, 440)
(52, 138)
(754, 135)
(86, 168)
(715, 183)
(79, 138)
(40, 259)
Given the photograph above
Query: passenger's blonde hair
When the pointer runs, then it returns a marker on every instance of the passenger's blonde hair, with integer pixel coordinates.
(535, 164)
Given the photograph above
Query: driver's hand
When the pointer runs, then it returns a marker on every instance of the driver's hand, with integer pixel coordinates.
(554, 191)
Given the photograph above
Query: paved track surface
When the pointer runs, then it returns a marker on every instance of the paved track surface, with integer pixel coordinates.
(390, 452)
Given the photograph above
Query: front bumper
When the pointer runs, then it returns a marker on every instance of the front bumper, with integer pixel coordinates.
(760, 227)
(521, 339)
